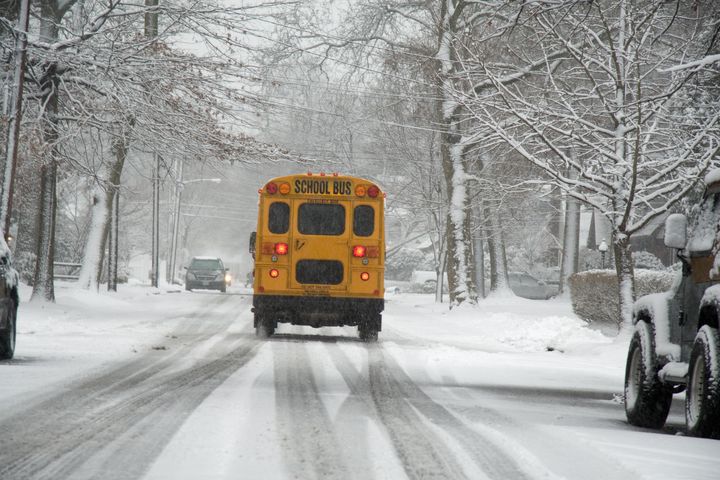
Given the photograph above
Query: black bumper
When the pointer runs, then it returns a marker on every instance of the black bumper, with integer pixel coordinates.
(210, 285)
(318, 311)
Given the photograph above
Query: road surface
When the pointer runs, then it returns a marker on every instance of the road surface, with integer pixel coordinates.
(212, 401)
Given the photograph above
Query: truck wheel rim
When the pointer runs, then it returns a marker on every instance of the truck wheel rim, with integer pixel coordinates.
(696, 390)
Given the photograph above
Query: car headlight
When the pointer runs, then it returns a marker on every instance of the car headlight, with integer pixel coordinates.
(228, 278)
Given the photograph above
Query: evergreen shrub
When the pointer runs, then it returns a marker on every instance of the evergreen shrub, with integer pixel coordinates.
(594, 293)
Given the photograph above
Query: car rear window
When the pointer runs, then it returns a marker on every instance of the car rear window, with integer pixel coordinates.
(321, 219)
(205, 264)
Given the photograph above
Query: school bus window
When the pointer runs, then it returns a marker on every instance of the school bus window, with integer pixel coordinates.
(279, 218)
(321, 219)
(364, 220)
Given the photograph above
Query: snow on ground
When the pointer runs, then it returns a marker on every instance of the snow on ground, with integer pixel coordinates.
(527, 376)
(531, 333)
(84, 330)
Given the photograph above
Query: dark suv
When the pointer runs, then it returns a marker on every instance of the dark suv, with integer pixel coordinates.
(8, 306)
(676, 346)
(206, 273)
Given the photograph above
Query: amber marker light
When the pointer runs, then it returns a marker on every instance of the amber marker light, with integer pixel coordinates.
(284, 188)
(364, 276)
(360, 190)
(274, 273)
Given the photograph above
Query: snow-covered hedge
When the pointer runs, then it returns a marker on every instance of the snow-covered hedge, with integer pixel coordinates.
(594, 293)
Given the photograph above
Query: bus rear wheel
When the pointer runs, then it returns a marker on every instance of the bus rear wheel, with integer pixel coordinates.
(369, 327)
(264, 326)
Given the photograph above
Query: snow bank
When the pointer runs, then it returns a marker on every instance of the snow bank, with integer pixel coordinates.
(502, 323)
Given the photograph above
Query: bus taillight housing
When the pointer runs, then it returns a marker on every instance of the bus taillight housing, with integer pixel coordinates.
(271, 188)
(360, 251)
(281, 248)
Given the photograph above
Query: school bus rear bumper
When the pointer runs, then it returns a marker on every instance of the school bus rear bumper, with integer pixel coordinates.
(318, 311)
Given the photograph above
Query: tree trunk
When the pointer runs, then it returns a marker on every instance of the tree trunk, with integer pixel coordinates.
(92, 260)
(496, 250)
(91, 272)
(43, 285)
(460, 266)
(571, 241)
(626, 279)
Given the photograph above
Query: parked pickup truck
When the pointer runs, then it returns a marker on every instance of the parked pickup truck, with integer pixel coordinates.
(676, 346)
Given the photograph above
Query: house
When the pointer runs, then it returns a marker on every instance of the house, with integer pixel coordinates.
(650, 238)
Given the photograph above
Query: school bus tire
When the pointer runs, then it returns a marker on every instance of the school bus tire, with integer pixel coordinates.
(264, 327)
(369, 327)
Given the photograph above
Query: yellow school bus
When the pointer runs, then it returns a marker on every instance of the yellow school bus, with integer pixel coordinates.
(319, 253)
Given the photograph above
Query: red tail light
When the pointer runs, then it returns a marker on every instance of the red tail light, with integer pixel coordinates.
(373, 191)
(364, 276)
(358, 251)
(274, 273)
(281, 248)
(271, 188)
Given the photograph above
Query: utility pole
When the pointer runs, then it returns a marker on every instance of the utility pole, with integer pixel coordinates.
(113, 242)
(13, 131)
(176, 222)
(151, 32)
(156, 222)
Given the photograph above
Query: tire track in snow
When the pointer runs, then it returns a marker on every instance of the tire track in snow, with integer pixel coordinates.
(537, 448)
(389, 380)
(406, 411)
(309, 444)
(114, 424)
(421, 452)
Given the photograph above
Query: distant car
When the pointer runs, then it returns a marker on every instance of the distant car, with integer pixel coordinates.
(206, 273)
(429, 286)
(526, 286)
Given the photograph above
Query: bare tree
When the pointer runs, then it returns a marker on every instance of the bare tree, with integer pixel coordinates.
(603, 116)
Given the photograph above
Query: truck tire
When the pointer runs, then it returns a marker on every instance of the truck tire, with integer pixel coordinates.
(369, 327)
(7, 339)
(702, 399)
(647, 399)
(263, 326)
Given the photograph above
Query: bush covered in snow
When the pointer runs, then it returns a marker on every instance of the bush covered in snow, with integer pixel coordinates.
(646, 260)
(594, 293)
(401, 264)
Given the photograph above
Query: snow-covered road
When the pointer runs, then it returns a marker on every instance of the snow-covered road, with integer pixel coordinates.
(176, 386)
